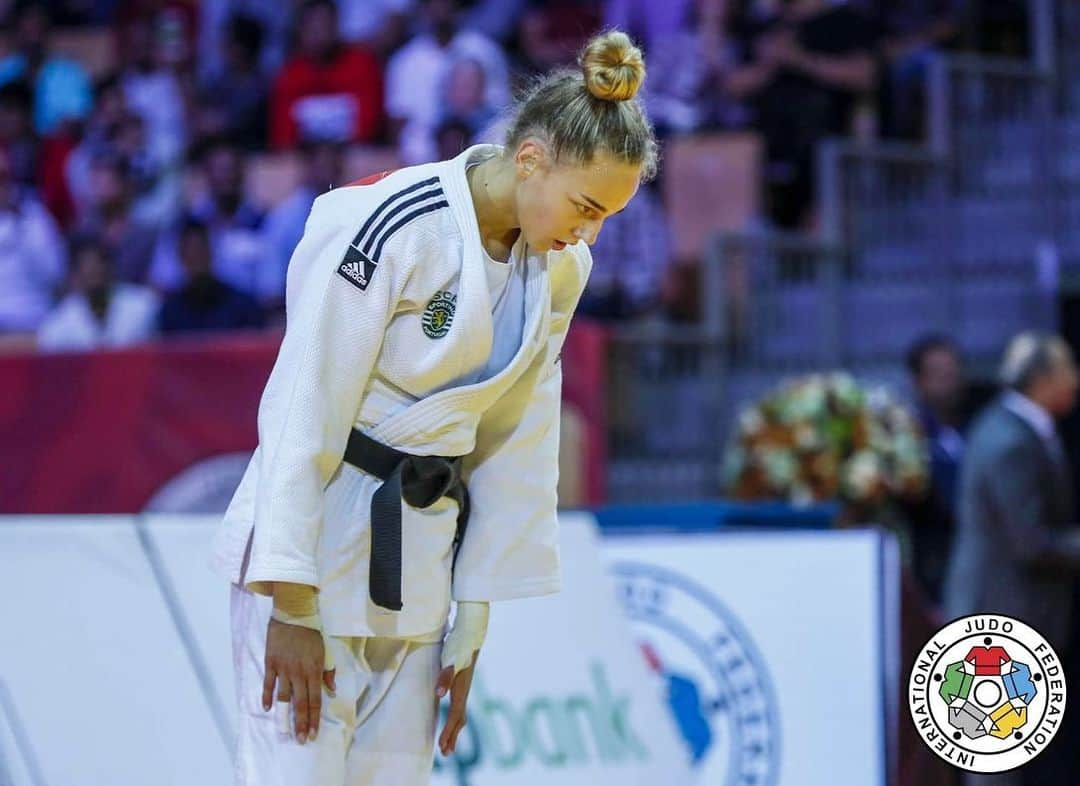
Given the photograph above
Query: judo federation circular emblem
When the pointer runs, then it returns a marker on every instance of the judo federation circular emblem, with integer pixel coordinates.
(987, 693)
(439, 314)
(718, 686)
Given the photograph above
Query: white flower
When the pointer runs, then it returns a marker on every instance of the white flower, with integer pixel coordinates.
(751, 422)
(864, 473)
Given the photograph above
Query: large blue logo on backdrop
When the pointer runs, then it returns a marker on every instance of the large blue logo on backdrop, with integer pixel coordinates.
(719, 687)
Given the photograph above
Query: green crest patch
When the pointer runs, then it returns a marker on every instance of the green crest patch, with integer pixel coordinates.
(439, 314)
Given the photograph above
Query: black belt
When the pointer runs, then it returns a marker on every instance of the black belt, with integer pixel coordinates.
(419, 480)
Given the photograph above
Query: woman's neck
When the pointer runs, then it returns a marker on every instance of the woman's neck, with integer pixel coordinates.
(492, 185)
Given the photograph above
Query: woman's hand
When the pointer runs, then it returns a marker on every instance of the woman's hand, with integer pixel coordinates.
(458, 684)
(295, 661)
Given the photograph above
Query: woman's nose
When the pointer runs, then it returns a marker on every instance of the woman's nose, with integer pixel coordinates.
(587, 233)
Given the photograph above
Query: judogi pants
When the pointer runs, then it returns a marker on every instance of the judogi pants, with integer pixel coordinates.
(378, 731)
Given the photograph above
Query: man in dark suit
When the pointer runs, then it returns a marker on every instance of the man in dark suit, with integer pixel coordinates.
(937, 376)
(1016, 550)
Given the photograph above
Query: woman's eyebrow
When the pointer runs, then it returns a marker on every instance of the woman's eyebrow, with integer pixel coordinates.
(594, 203)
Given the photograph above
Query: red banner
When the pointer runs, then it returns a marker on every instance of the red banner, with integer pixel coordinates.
(106, 432)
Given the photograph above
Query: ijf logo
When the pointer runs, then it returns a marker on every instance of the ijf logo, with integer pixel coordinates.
(987, 693)
(718, 686)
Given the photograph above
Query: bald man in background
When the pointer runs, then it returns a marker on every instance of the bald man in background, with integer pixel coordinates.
(1017, 546)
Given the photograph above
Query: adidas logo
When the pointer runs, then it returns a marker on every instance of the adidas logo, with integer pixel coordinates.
(356, 268)
(353, 271)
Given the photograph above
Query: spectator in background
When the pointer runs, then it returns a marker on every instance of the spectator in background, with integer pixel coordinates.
(495, 19)
(685, 63)
(107, 215)
(17, 131)
(380, 25)
(328, 90)
(61, 87)
(156, 178)
(630, 262)
(114, 131)
(233, 103)
(98, 139)
(323, 170)
(553, 33)
(914, 31)
(32, 256)
(803, 70)
(649, 21)
(110, 108)
(452, 137)
(464, 107)
(240, 254)
(417, 73)
(1017, 548)
(275, 19)
(151, 88)
(936, 370)
(99, 311)
(204, 302)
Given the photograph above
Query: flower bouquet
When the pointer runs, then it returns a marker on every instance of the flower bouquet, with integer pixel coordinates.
(823, 438)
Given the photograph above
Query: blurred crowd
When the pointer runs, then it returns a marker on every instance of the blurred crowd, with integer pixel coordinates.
(125, 203)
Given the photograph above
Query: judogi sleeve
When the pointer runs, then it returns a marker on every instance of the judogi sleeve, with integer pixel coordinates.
(511, 545)
(338, 305)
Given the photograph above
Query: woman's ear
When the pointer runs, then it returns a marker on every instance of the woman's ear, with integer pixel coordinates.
(530, 156)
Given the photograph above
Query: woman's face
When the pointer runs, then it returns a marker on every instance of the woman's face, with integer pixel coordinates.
(561, 203)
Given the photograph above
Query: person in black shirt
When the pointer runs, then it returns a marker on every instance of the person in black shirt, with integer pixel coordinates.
(802, 71)
(204, 302)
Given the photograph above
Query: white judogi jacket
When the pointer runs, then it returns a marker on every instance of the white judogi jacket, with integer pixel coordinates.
(358, 351)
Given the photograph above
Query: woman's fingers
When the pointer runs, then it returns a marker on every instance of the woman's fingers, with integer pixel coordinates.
(330, 681)
(448, 739)
(455, 722)
(268, 687)
(314, 699)
(457, 717)
(446, 679)
(300, 706)
(296, 660)
(284, 688)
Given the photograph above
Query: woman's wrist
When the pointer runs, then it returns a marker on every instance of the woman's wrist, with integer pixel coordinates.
(296, 600)
(467, 634)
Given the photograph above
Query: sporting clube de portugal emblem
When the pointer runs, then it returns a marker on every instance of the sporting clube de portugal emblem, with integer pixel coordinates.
(987, 693)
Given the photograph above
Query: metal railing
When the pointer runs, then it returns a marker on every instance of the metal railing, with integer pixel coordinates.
(665, 413)
(776, 298)
(993, 119)
(786, 303)
(880, 193)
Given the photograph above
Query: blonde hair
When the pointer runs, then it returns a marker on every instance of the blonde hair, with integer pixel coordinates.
(580, 113)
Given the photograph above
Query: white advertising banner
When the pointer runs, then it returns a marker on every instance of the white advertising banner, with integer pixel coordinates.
(115, 668)
(772, 646)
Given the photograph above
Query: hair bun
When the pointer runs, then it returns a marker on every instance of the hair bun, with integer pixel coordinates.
(614, 68)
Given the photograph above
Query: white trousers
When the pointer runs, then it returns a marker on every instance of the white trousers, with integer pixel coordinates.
(378, 731)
